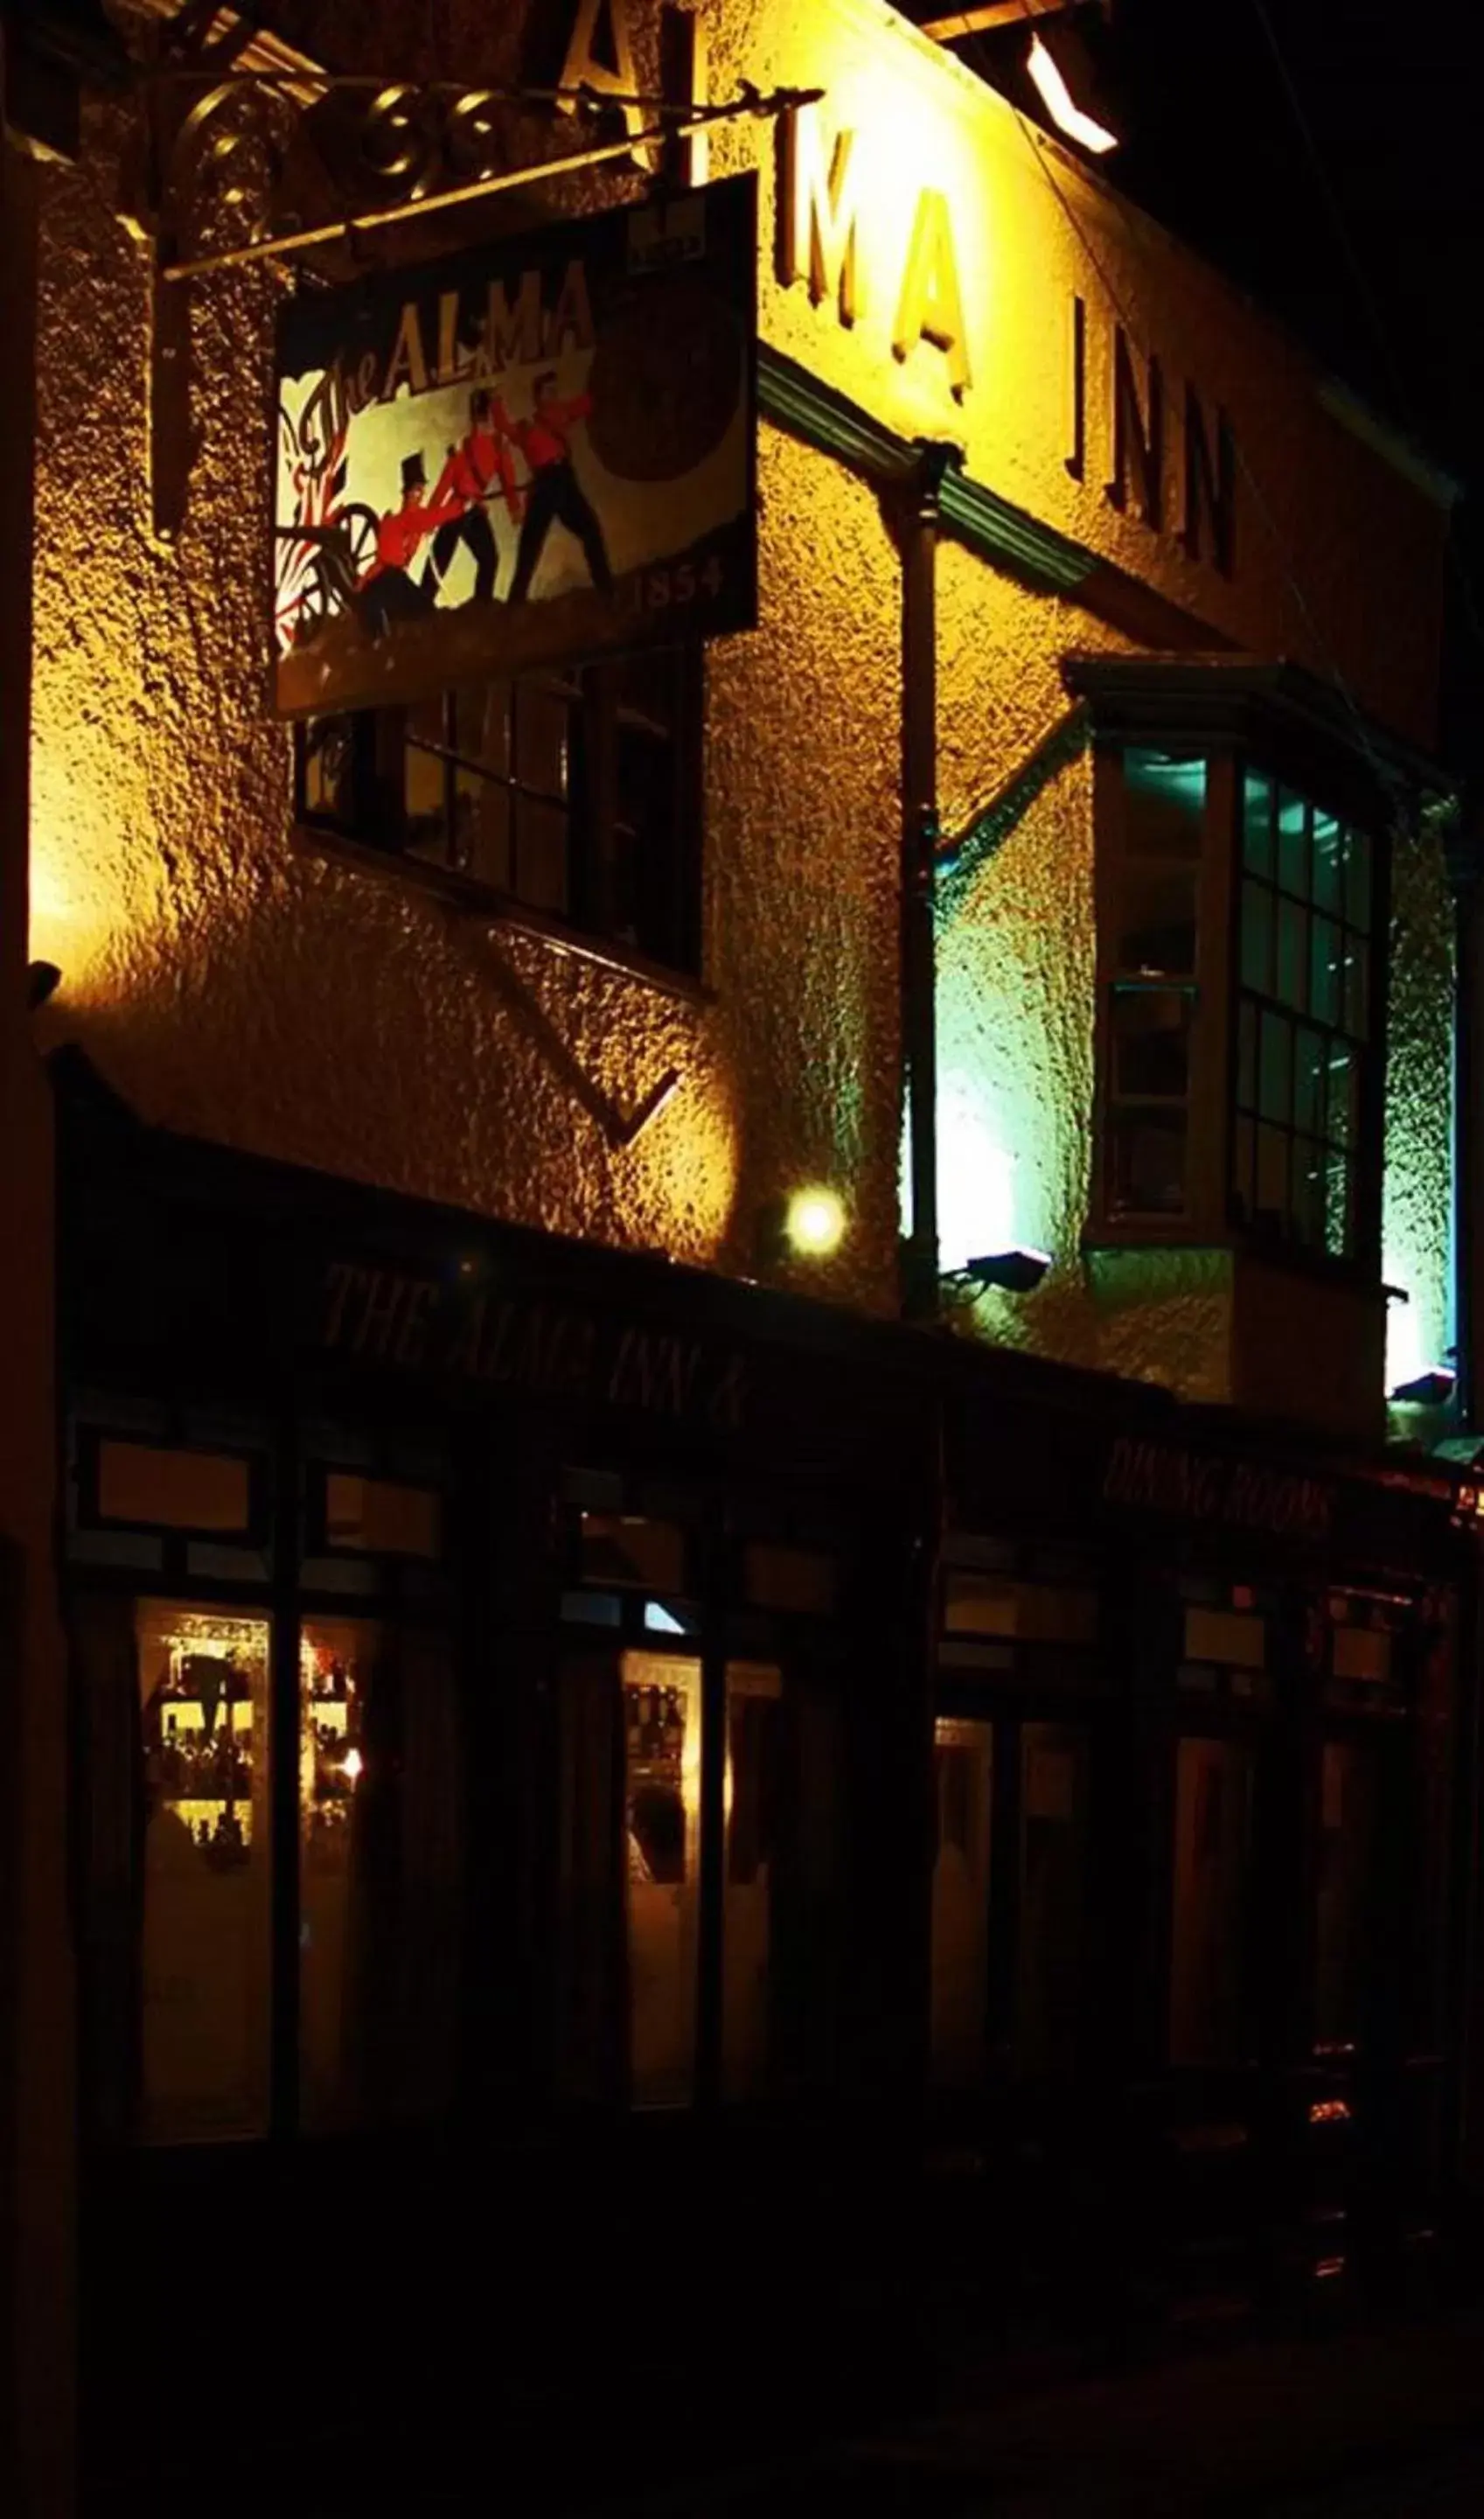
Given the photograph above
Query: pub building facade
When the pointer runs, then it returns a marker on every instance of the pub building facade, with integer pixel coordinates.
(757, 1376)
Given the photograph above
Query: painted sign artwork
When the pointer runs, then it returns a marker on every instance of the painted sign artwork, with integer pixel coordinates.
(535, 449)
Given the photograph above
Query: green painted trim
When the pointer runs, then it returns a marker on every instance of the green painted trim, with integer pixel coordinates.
(790, 396)
(989, 523)
(795, 400)
(960, 860)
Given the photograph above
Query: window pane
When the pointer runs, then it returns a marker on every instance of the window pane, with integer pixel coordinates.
(628, 1550)
(541, 856)
(1051, 1989)
(1257, 823)
(962, 1775)
(1212, 1855)
(543, 714)
(1272, 1177)
(1293, 952)
(1329, 861)
(1344, 1083)
(1360, 1652)
(647, 686)
(1257, 938)
(380, 1789)
(203, 1689)
(988, 1604)
(1147, 1163)
(482, 828)
(799, 1579)
(1234, 1636)
(383, 1517)
(329, 757)
(1340, 1204)
(1309, 1082)
(422, 798)
(174, 1490)
(1349, 1802)
(661, 1727)
(1244, 1152)
(1309, 1192)
(1151, 1042)
(1358, 880)
(1164, 802)
(481, 727)
(1275, 1082)
(1357, 954)
(1247, 1054)
(1293, 844)
(754, 1751)
(1325, 971)
(1158, 926)
(332, 1679)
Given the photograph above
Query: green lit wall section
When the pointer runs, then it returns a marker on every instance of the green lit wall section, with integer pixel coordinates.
(1014, 1053)
(1416, 1215)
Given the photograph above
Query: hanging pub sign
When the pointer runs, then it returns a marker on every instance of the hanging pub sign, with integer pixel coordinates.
(534, 449)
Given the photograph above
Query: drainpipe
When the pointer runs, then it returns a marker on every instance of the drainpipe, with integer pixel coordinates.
(919, 846)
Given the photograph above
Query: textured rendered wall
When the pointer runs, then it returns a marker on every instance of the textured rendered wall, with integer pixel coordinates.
(230, 985)
(1416, 1227)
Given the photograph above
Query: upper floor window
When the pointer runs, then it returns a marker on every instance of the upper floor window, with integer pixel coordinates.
(1240, 944)
(571, 795)
(1304, 1017)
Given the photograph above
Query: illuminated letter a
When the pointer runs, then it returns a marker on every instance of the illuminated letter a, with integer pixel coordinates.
(617, 76)
(930, 307)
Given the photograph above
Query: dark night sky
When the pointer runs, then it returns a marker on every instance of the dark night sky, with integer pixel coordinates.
(1393, 96)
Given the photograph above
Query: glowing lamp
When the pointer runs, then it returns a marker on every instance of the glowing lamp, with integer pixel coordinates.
(1050, 59)
(1430, 1389)
(352, 1764)
(814, 1223)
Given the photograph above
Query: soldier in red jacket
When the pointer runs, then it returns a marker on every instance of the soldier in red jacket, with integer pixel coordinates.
(468, 476)
(556, 494)
(387, 591)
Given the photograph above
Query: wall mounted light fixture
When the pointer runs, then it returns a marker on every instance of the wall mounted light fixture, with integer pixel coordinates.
(1431, 1389)
(1018, 1271)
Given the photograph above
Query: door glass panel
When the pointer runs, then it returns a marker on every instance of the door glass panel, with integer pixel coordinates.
(662, 1775)
(1347, 1857)
(203, 1688)
(1050, 1994)
(962, 1774)
(1212, 1860)
(380, 1802)
(333, 1685)
(754, 1745)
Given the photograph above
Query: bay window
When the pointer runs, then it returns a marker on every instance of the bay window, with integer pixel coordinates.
(1241, 887)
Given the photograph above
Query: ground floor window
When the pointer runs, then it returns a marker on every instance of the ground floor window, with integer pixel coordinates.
(381, 1792)
(1209, 2020)
(646, 1823)
(204, 1963)
(963, 1769)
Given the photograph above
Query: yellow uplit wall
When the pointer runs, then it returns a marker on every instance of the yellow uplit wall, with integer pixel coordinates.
(229, 985)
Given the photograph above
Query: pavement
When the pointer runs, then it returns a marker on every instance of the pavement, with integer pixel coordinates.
(1360, 2423)
(1366, 2422)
